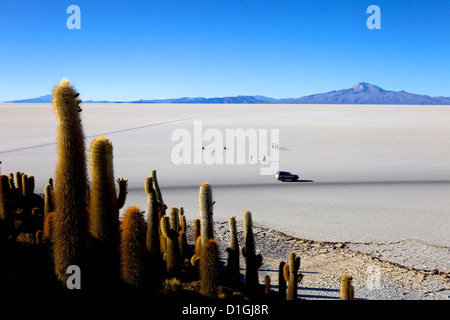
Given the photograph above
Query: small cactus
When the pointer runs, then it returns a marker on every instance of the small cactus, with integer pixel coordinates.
(252, 260)
(291, 276)
(132, 248)
(346, 288)
(233, 268)
(209, 269)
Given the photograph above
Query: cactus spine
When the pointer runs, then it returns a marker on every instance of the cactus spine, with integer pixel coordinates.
(132, 248)
(70, 220)
(206, 213)
(346, 288)
(209, 269)
(291, 276)
(233, 272)
(252, 260)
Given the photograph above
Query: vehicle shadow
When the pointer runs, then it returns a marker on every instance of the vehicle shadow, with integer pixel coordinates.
(298, 181)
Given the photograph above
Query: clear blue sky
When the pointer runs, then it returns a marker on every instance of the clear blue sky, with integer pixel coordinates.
(213, 48)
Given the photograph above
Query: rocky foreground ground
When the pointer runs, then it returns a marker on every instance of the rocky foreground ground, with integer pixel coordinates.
(406, 270)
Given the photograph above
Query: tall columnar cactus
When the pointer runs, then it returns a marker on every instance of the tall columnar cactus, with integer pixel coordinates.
(71, 220)
(252, 260)
(132, 248)
(173, 255)
(233, 273)
(152, 238)
(291, 276)
(281, 281)
(209, 269)
(206, 213)
(346, 288)
(153, 245)
(103, 210)
(103, 214)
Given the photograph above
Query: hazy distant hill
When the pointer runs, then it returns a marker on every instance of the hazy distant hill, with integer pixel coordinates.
(366, 93)
(362, 93)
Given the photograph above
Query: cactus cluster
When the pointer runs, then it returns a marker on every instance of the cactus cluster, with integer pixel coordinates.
(77, 222)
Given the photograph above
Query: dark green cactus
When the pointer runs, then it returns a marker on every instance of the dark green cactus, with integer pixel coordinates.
(291, 276)
(252, 260)
(132, 248)
(233, 268)
(209, 269)
(71, 216)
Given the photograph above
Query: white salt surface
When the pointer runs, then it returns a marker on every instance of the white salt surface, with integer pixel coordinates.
(368, 173)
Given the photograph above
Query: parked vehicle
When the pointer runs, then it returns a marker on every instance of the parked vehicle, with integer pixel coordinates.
(285, 175)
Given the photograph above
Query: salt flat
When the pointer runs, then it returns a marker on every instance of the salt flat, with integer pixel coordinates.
(368, 172)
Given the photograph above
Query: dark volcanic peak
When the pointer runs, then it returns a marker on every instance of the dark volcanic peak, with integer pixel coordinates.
(361, 93)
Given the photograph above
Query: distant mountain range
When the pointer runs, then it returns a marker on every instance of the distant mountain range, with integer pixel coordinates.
(362, 93)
